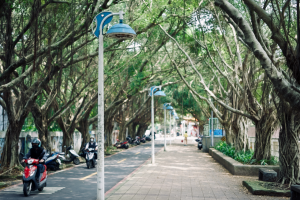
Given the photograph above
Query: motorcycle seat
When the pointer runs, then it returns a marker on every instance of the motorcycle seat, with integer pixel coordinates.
(62, 153)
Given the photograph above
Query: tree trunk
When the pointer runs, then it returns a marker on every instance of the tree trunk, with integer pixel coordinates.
(240, 129)
(122, 133)
(108, 127)
(131, 130)
(41, 123)
(10, 157)
(142, 129)
(67, 140)
(83, 128)
(288, 145)
(263, 135)
(228, 134)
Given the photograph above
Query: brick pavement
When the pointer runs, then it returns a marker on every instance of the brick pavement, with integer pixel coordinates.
(183, 173)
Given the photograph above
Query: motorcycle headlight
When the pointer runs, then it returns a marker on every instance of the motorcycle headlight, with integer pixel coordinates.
(29, 162)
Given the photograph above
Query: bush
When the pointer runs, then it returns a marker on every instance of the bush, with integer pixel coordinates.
(243, 157)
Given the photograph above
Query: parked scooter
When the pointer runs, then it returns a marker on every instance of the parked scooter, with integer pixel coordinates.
(73, 156)
(148, 138)
(90, 158)
(53, 160)
(132, 141)
(199, 140)
(138, 141)
(143, 139)
(29, 181)
(121, 144)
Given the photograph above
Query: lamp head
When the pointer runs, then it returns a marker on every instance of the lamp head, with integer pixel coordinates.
(159, 93)
(121, 31)
(169, 108)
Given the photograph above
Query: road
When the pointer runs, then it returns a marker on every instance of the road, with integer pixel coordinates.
(80, 182)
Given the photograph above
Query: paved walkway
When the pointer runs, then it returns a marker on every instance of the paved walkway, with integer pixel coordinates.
(183, 172)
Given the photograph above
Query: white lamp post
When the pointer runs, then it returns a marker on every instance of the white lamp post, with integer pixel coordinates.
(170, 124)
(152, 94)
(118, 31)
(165, 110)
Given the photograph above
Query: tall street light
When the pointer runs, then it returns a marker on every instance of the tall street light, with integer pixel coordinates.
(166, 107)
(165, 110)
(152, 94)
(118, 31)
(174, 127)
(176, 118)
(170, 124)
(174, 121)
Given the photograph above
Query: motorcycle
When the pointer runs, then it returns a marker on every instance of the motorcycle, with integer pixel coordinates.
(132, 141)
(148, 138)
(199, 140)
(90, 158)
(121, 144)
(138, 141)
(143, 139)
(53, 160)
(29, 181)
(73, 156)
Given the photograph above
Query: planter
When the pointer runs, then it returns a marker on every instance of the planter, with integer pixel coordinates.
(256, 188)
(237, 168)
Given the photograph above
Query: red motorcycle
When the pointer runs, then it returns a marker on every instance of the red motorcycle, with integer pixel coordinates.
(121, 144)
(29, 181)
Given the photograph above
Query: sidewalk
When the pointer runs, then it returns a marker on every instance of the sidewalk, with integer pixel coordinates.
(183, 172)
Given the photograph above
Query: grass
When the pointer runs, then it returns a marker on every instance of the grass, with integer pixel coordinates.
(109, 149)
(243, 157)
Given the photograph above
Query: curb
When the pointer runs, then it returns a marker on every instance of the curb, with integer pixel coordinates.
(129, 175)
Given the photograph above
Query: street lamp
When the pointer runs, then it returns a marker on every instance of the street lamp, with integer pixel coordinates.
(170, 108)
(152, 94)
(170, 123)
(166, 107)
(119, 31)
(174, 127)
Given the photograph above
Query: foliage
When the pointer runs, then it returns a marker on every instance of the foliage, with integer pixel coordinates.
(243, 157)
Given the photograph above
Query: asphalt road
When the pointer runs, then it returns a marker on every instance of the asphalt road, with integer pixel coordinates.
(80, 182)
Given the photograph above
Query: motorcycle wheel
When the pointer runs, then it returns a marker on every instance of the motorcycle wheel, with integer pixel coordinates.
(88, 164)
(76, 161)
(138, 143)
(144, 141)
(94, 162)
(126, 146)
(27, 188)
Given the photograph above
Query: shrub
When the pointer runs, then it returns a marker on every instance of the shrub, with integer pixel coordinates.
(243, 157)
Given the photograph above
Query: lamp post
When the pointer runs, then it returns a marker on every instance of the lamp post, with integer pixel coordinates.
(176, 118)
(170, 124)
(152, 94)
(166, 106)
(174, 127)
(118, 31)
(183, 127)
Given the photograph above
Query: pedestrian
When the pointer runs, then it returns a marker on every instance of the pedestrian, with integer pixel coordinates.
(185, 138)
